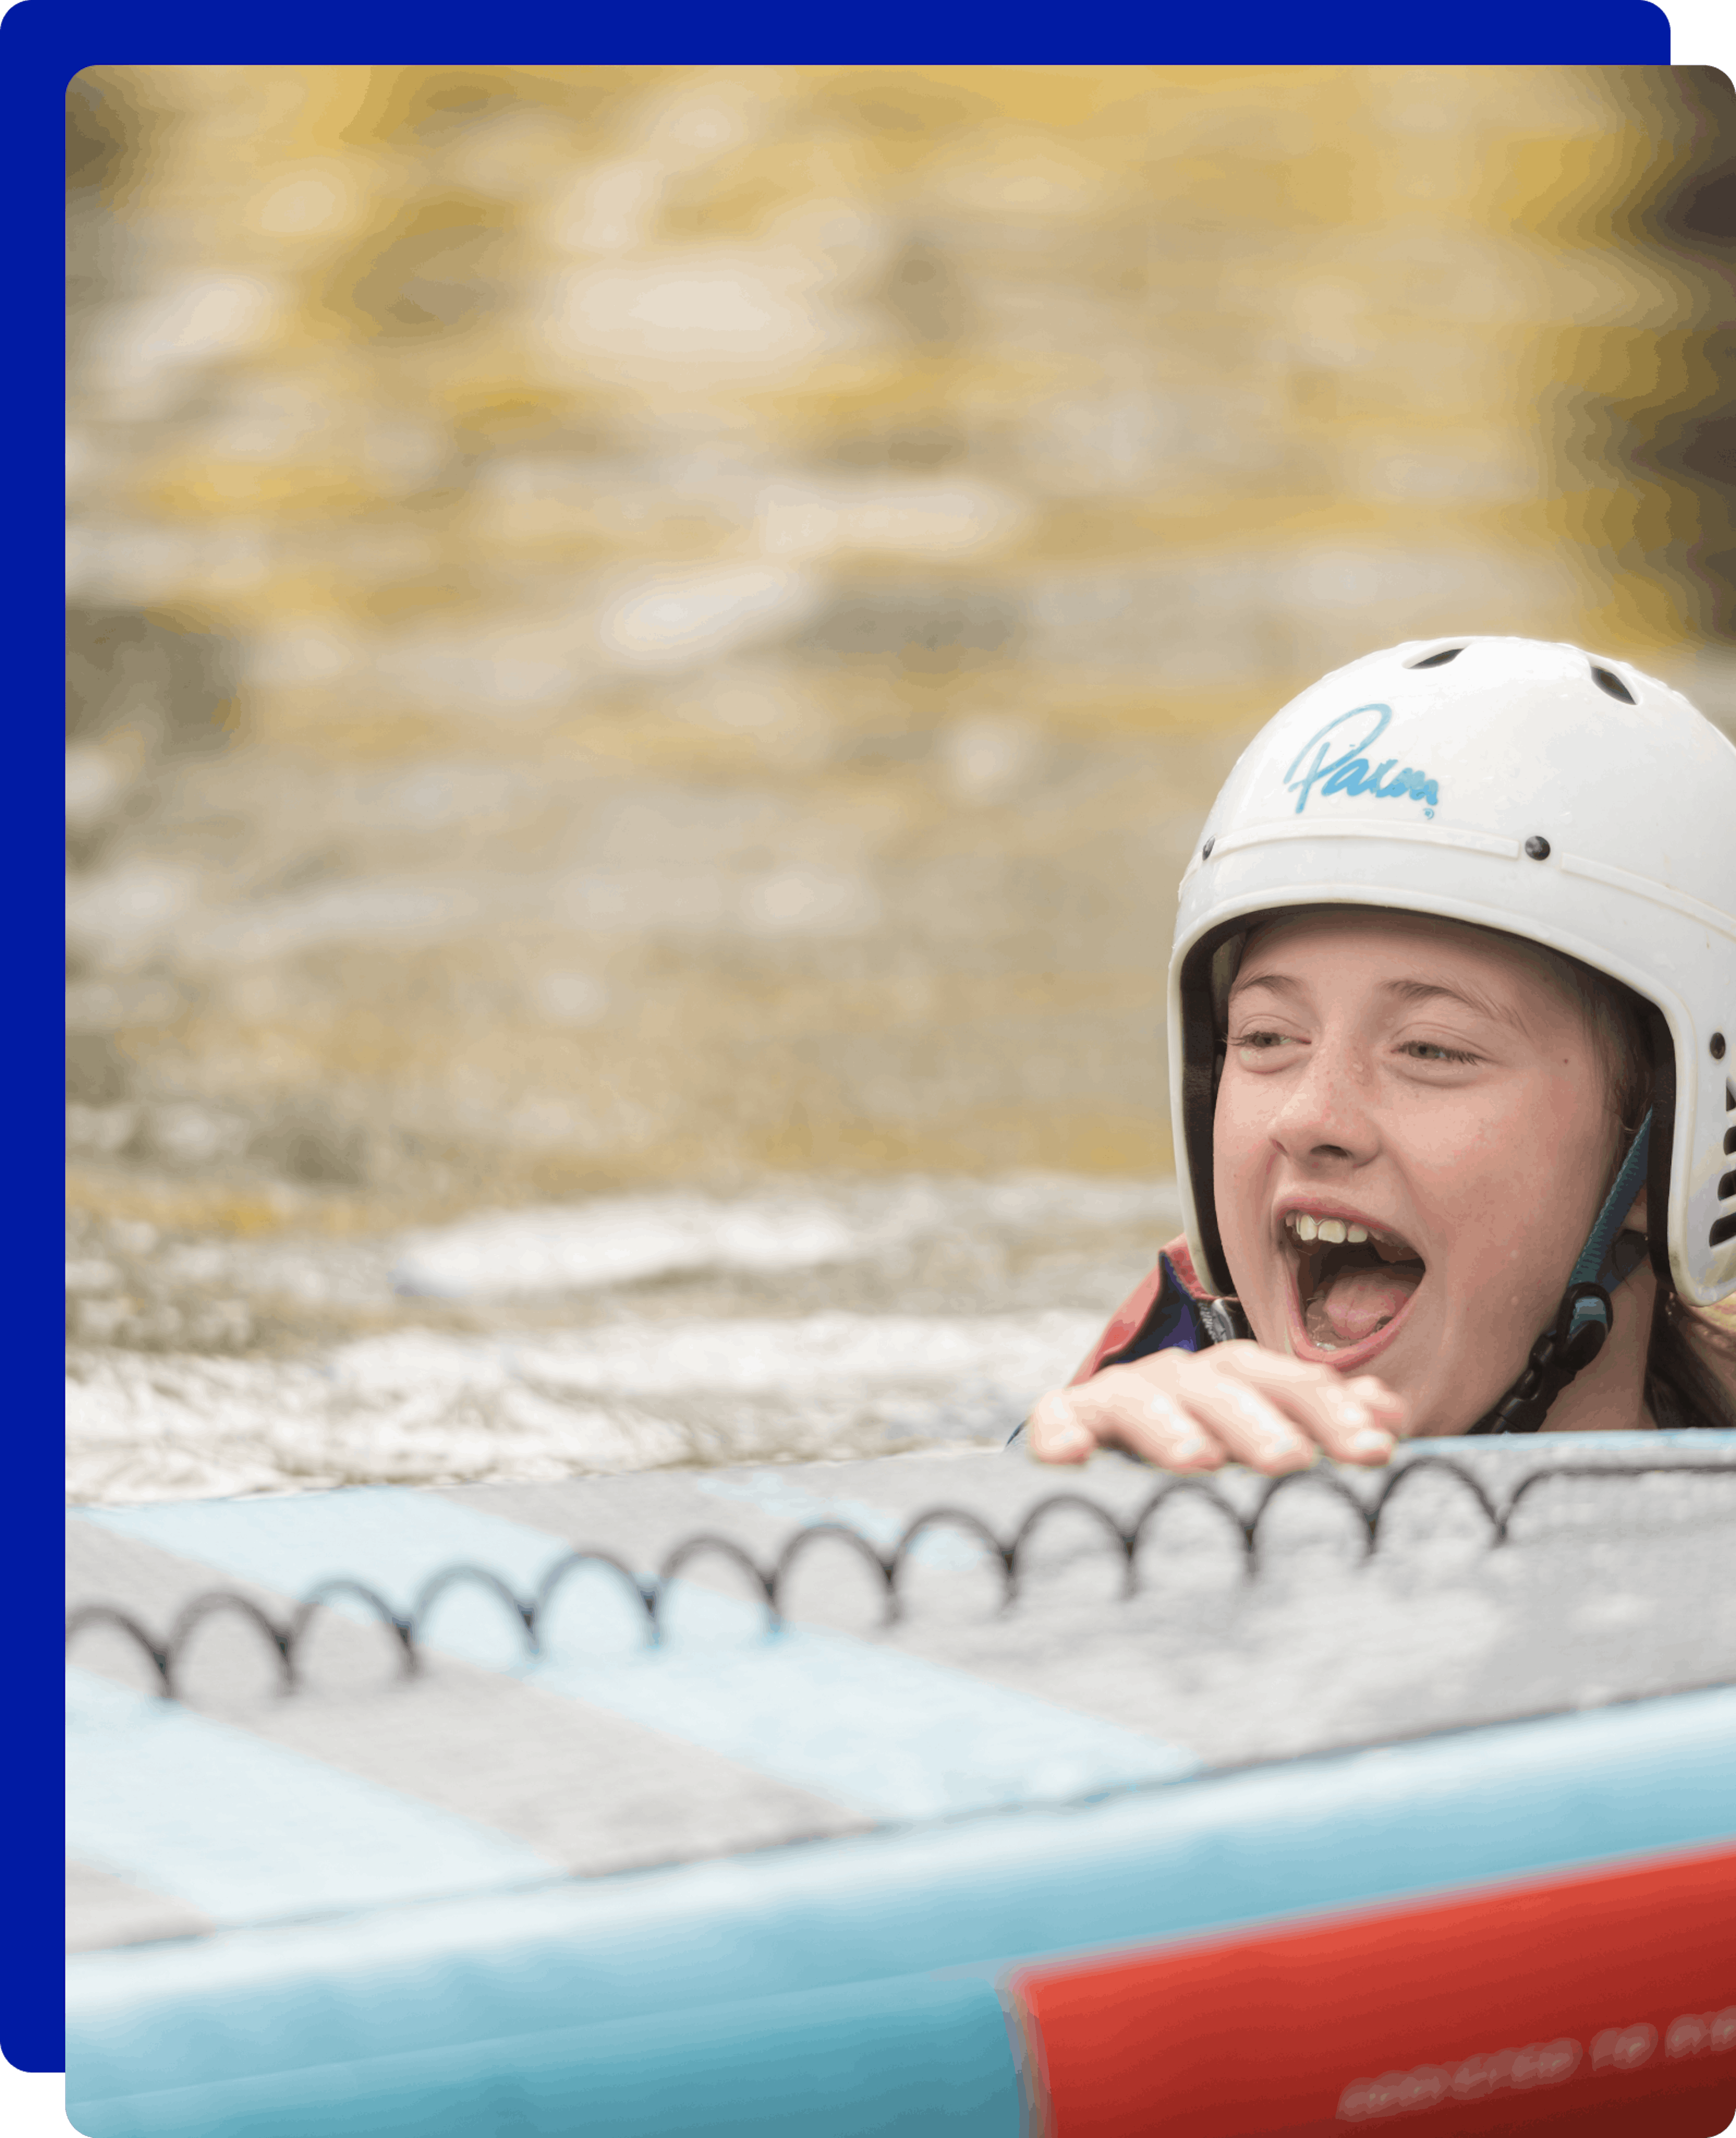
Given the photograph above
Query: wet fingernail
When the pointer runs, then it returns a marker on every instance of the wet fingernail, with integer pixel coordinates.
(1353, 1413)
(1277, 1447)
(1189, 1448)
(1374, 1441)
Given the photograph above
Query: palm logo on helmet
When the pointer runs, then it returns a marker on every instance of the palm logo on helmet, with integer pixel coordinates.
(1568, 800)
(1349, 772)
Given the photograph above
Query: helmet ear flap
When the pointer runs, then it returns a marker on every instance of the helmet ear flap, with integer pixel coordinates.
(1226, 957)
(1663, 1139)
(1207, 974)
(1225, 962)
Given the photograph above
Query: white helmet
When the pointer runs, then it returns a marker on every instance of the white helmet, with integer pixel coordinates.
(1525, 787)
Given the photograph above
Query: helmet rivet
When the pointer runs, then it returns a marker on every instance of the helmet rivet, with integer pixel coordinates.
(1538, 847)
(1717, 1046)
(1206, 850)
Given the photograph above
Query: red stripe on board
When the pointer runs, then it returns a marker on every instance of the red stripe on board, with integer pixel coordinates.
(1601, 2005)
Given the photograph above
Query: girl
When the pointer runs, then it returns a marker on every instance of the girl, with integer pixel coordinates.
(1452, 1004)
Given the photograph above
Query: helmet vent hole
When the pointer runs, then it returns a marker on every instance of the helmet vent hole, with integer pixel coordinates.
(1611, 684)
(1437, 660)
(1724, 1227)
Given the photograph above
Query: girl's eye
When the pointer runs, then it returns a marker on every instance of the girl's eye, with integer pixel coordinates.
(1263, 1039)
(1427, 1050)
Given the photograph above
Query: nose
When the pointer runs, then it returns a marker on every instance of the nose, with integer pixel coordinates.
(1328, 1114)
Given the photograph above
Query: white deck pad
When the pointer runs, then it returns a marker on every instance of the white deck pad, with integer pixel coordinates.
(493, 1768)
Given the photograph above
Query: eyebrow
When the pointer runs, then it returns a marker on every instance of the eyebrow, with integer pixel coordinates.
(1277, 984)
(1470, 998)
(1415, 992)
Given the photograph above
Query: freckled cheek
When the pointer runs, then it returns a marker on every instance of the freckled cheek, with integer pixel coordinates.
(1241, 1123)
(1508, 1228)
(1242, 1162)
(1498, 1251)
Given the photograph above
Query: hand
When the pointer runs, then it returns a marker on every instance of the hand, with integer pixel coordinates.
(1235, 1403)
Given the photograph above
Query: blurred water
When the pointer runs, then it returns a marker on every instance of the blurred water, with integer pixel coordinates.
(647, 648)
(830, 1319)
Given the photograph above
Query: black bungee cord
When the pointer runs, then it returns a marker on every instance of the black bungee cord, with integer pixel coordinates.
(650, 1594)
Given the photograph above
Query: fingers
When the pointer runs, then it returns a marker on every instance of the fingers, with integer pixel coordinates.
(1121, 1407)
(1053, 1433)
(1234, 1403)
(1387, 1414)
(1354, 1421)
(1251, 1424)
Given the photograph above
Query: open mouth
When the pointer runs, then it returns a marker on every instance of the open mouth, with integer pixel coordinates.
(1353, 1281)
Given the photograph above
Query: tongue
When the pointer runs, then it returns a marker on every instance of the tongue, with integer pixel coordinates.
(1356, 1302)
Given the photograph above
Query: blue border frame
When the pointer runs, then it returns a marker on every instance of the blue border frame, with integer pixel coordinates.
(42, 45)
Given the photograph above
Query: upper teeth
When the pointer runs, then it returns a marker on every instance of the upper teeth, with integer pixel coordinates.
(1333, 1230)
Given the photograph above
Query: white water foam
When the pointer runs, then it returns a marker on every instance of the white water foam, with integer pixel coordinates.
(498, 1254)
(425, 1407)
(804, 1319)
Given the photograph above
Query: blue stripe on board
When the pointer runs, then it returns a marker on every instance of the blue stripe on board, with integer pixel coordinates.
(917, 2056)
(249, 1831)
(892, 1735)
(1444, 1815)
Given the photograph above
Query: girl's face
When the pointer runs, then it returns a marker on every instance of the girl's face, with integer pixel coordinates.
(1412, 1139)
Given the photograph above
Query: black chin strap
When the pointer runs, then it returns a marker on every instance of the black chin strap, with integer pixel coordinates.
(1583, 1320)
